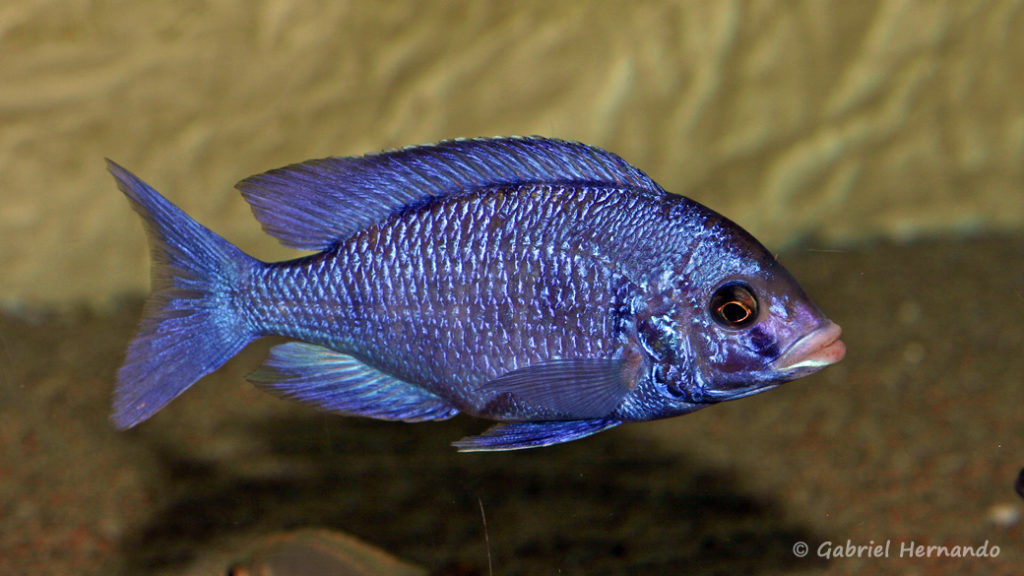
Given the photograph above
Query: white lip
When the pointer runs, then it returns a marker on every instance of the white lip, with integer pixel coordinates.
(818, 349)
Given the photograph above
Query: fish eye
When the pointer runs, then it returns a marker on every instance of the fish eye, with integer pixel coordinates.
(734, 306)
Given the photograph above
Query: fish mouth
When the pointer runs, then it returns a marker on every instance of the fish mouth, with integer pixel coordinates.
(814, 351)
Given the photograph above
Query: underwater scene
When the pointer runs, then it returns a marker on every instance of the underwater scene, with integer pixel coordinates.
(485, 288)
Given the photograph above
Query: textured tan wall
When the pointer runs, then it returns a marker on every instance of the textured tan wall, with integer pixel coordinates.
(838, 120)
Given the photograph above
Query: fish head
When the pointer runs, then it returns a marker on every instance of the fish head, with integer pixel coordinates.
(748, 325)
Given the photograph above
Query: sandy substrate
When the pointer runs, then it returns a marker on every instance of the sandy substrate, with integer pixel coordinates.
(915, 439)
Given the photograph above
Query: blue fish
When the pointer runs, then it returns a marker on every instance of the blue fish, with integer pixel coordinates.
(544, 284)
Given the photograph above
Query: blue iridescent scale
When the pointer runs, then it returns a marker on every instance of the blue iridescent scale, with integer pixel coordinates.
(469, 287)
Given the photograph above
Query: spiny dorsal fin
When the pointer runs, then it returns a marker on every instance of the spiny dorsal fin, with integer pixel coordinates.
(315, 204)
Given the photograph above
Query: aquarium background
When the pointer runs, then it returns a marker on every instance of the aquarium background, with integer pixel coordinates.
(877, 146)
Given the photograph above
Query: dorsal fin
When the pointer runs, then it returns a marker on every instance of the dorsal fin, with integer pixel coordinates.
(314, 204)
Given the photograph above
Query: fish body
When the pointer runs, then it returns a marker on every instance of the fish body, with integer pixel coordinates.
(544, 284)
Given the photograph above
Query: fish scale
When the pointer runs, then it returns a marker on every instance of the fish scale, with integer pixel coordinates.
(544, 284)
(410, 325)
(487, 276)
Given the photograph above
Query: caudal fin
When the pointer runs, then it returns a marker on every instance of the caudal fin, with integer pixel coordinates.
(190, 326)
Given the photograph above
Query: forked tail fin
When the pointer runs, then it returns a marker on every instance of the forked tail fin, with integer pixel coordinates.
(191, 325)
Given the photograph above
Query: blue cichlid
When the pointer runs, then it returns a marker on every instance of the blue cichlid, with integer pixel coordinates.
(544, 284)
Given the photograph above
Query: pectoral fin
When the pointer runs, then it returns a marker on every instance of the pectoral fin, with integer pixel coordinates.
(577, 388)
(520, 435)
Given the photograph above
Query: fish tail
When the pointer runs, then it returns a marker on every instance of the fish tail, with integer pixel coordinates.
(191, 324)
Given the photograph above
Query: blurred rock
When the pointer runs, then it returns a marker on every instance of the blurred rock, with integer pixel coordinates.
(320, 553)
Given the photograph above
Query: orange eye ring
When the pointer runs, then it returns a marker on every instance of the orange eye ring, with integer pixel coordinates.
(734, 312)
(734, 306)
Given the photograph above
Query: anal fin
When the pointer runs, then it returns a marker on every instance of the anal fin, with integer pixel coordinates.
(341, 383)
(521, 435)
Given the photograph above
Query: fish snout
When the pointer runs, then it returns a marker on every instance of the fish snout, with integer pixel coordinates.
(819, 348)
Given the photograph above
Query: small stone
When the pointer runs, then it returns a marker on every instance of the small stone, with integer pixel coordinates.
(1004, 515)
